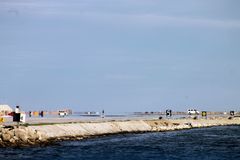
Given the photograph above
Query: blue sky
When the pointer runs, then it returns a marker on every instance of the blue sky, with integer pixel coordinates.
(120, 55)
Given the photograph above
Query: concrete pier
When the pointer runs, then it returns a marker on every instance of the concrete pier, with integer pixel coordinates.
(41, 134)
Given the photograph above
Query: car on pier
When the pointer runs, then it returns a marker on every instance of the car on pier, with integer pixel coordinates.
(192, 112)
(62, 113)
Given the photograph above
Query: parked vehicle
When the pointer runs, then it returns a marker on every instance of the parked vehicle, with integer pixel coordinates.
(192, 112)
(62, 113)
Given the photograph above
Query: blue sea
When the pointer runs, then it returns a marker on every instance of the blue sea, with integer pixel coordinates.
(215, 143)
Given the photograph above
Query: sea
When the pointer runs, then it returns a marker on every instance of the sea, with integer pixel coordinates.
(214, 143)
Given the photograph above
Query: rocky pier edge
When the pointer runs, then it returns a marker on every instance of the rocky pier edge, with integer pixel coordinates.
(45, 134)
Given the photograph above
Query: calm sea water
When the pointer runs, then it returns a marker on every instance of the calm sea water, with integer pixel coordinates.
(206, 143)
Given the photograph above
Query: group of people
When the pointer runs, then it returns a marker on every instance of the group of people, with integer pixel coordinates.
(40, 113)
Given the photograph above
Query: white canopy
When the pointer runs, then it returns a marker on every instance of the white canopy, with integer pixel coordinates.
(4, 107)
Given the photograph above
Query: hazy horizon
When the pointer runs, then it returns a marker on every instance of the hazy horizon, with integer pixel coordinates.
(120, 56)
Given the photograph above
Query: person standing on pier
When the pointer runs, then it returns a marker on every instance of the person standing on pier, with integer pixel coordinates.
(16, 116)
(103, 114)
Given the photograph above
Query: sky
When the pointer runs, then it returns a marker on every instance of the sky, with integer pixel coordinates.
(120, 55)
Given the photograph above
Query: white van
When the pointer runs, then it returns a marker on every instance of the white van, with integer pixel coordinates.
(192, 112)
(62, 113)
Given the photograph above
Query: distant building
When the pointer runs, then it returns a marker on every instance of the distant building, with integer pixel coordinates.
(5, 109)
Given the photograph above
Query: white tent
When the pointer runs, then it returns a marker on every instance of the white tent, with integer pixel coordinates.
(5, 109)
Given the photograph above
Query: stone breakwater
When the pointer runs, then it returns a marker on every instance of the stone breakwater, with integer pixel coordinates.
(45, 134)
(20, 136)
